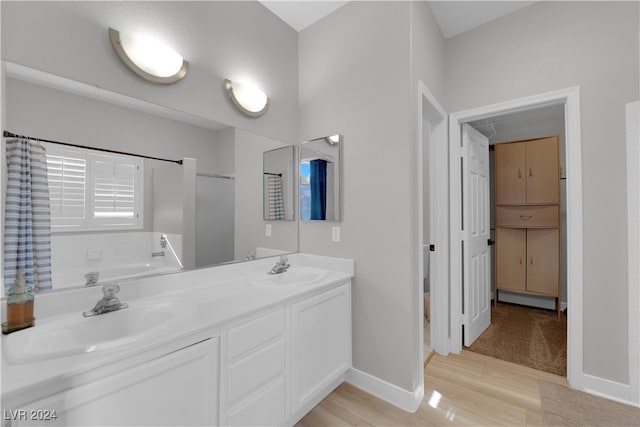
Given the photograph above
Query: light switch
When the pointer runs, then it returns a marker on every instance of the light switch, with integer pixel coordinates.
(267, 230)
(335, 234)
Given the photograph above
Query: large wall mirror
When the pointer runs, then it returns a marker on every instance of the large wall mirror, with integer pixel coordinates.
(118, 216)
(320, 174)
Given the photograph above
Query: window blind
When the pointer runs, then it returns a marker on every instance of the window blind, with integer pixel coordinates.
(93, 191)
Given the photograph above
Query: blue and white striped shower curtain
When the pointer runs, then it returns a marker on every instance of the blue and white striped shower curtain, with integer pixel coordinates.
(275, 197)
(27, 232)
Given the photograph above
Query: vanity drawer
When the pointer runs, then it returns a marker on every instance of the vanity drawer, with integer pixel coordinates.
(250, 372)
(267, 407)
(528, 216)
(254, 333)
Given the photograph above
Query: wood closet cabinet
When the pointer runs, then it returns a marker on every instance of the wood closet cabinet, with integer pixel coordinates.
(527, 195)
(528, 172)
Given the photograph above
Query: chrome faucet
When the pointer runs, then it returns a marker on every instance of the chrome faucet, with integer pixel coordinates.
(108, 303)
(155, 254)
(281, 266)
(92, 278)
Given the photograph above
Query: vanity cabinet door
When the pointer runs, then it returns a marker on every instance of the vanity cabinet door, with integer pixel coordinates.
(253, 375)
(179, 388)
(321, 341)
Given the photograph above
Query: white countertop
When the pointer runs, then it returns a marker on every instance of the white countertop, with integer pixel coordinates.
(215, 296)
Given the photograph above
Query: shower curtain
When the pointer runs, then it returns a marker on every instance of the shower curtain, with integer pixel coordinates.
(275, 197)
(27, 232)
(318, 184)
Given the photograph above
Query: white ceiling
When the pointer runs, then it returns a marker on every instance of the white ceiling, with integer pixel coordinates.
(302, 13)
(547, 120)
(456, 17)
(453, 17)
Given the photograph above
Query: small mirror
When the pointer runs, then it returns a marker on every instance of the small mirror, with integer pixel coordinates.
(278, 170)
(320, 172)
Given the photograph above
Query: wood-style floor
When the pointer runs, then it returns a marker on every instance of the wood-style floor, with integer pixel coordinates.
(465, 389)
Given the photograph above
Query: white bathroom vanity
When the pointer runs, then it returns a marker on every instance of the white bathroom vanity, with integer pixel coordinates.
(229, 345)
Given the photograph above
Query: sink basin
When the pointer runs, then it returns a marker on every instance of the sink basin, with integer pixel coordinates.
(74, 334)
(296, 276)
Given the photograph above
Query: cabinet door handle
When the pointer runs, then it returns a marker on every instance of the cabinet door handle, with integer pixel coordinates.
(530, 173)
(525, 217)
(519, 174)
(520, 260)
(531, 260)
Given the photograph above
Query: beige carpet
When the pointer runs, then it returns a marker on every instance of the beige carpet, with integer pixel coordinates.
(562, 406)
(527, 336)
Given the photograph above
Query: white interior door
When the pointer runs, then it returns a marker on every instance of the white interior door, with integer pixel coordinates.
(476, 234)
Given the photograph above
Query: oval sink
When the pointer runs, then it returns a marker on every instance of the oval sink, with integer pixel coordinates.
(293, 277)
(74, 334)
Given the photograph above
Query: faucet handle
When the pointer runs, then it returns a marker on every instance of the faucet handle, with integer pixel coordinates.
(283, 259)
(110, 291)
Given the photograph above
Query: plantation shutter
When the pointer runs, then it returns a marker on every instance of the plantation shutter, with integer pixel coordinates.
(93, 191)
(113, 188)
(67, 174)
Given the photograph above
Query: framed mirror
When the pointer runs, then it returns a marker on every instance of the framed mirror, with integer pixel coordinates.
(278, 170)
(320, 179)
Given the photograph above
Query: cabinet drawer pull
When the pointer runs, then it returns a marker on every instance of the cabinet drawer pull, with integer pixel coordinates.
(525, 217)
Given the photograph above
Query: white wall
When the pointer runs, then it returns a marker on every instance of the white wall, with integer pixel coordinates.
(220, 39)
(633, 215)
(367, 97)
(52, 114)
(554, 45)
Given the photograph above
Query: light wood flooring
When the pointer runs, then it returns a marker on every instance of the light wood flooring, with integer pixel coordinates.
(465, 389)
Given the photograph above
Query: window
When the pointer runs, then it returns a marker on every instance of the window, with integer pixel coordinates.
(305, 190)
(89, 190)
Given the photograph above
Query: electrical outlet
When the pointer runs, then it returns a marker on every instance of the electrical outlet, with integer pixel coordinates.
(335, 234)
(267, 230)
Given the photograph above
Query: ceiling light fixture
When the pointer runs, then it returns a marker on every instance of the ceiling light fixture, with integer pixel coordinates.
(148, 58)
(248, 99)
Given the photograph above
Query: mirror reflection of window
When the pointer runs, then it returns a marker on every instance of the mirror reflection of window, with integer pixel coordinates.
(305, 190)
(90, 190)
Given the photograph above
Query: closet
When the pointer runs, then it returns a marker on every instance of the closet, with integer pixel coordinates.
(527, 214)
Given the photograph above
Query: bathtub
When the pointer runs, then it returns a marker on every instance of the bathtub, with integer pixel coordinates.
(72, 277)
(116, 256)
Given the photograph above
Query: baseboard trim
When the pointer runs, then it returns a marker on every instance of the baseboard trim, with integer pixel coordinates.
(404, 399)
(608, 389)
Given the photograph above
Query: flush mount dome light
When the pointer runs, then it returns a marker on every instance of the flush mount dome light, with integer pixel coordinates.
(148, 58)
(248, 99)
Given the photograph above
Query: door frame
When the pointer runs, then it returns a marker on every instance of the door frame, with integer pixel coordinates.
(429, 109)
(570, 98)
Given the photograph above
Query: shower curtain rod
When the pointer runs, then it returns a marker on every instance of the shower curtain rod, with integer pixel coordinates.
(8, 134)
